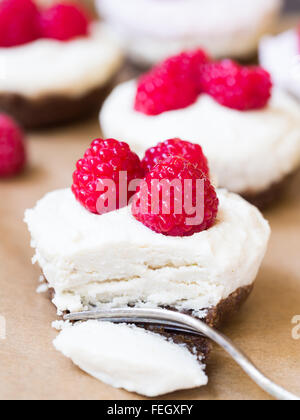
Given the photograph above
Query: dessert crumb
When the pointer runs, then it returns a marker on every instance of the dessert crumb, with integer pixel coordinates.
(60, 325)
(43, 288)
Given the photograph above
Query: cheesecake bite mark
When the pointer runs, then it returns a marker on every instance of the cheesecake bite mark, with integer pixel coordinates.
(176, 199)
(105, 164)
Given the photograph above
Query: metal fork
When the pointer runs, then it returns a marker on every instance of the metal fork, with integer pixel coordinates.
(178, 322)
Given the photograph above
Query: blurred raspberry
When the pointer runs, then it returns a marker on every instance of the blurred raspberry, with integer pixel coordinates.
(169, 211)
(195, 62)
(18, 22)
(12, 147)
(64, 22)
(237, 87)
(171, 85)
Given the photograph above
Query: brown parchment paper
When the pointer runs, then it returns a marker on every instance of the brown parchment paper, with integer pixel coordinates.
(30, 368)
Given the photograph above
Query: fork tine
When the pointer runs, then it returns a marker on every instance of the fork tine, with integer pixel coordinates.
(101, 316)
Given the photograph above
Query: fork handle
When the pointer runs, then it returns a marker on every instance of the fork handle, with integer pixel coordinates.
(239, 356)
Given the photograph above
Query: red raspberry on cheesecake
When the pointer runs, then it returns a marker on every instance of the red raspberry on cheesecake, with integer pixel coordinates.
(19, 22)
(237, 87)
(176, 147)
(185, 201)
(105, 160)
(171, 85)
(64, 22)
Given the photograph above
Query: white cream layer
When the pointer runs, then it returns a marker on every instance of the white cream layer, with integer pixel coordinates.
(49, 67)
(151, 30)
(247, 151)
(128, 357)
(280, 55)
(113, 260)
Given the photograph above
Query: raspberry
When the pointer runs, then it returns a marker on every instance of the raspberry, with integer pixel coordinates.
(237, 87)
(176, 147)
(170, 212)
(18, 22)
(12, 147)
(64, 22)
(195, 62)
(171, 85)
(104, 160)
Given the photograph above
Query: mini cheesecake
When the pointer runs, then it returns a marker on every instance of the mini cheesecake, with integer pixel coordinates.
(114, 261)
(152, 30)
(280, 56)
(48, 81)
(252, 153)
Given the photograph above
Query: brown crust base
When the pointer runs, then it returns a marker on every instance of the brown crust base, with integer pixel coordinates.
(266, 198)
(215, 317)
(54, 109)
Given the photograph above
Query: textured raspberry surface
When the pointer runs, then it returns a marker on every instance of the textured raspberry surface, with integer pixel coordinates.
(104, 160)
(194, 63)
(18, 22)
(168, 213)
(237, 87)
(176, 147)
(64, 22)
(12, 147)
(171, 85)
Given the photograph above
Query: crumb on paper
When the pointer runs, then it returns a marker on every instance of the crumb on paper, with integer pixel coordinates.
(61, 325)
(43, 288)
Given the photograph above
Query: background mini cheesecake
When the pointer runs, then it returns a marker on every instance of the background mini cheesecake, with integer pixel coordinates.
(63, 73)
(280, 56)
(152, 30)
